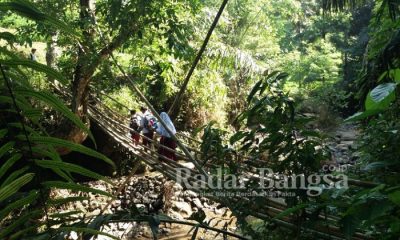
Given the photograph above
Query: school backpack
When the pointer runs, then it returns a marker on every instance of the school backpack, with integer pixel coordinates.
(134, 124)
(150, 122)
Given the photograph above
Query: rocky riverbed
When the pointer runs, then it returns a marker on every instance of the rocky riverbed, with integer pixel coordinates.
(343, 146)
(150, 194)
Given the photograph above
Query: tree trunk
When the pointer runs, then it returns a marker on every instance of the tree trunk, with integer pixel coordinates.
(174, 109)
(89, 58)
(82, 75)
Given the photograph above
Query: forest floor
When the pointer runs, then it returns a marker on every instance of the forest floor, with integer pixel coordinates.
(145, 190)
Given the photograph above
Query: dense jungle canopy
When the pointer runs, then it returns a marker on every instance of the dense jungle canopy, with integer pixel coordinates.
(286, 87)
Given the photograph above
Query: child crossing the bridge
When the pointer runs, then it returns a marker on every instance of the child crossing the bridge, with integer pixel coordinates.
(166, 140)
(146, 123)
(134, 126)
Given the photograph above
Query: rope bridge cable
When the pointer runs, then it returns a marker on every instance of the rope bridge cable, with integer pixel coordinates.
(154, 112)
(126, 107)
(171, 173)
(116, 128)
(176, 104)
(248, 163)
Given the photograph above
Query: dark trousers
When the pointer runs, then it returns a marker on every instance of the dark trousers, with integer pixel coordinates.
(147, 142)
(170, 143)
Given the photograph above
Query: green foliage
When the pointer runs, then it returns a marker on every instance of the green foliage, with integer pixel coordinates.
(26, 152)
(271, 135)
(379, 98)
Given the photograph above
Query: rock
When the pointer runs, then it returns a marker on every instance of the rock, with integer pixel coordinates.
(197, 203)
(140, 206)
(342, 160)
(178, 187)
(138, 195)
(218, 211)
(347, 135)
(174, 215)
(153, 196)
(182, 207)
(116, 203)
(165, 231)
(74, 235)
(96, 212)
(342, 147)
(191, 194)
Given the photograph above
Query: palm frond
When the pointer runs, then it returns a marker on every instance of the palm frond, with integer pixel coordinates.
(30, 11)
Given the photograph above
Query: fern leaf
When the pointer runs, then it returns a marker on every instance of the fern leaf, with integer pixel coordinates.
(14, 175)
(3, 133)
(15, 185)
(18, 204)
(71, 168)
(28, 10)
(73, 146)
(17, 235)
(61, 201)
(74, 187)
(6, 147)
(35, 66)
(9, 163)
(63, 215)
(57, 105)
(18, 222)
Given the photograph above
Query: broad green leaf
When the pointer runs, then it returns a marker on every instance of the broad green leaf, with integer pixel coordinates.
(74, 187)
(14, 186)
(18, 204)
(9, 163)
(362, 115)
(57, 104)
(56, 142)
(395, 197)
(35, 66)
(380, 97)
(395, 74)
(236, 137)
(377, 165)
(254, 90)
(71, 168)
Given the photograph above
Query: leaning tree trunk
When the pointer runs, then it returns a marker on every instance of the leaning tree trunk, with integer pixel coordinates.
(82, 75)
(174, 109)
(89, 58)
